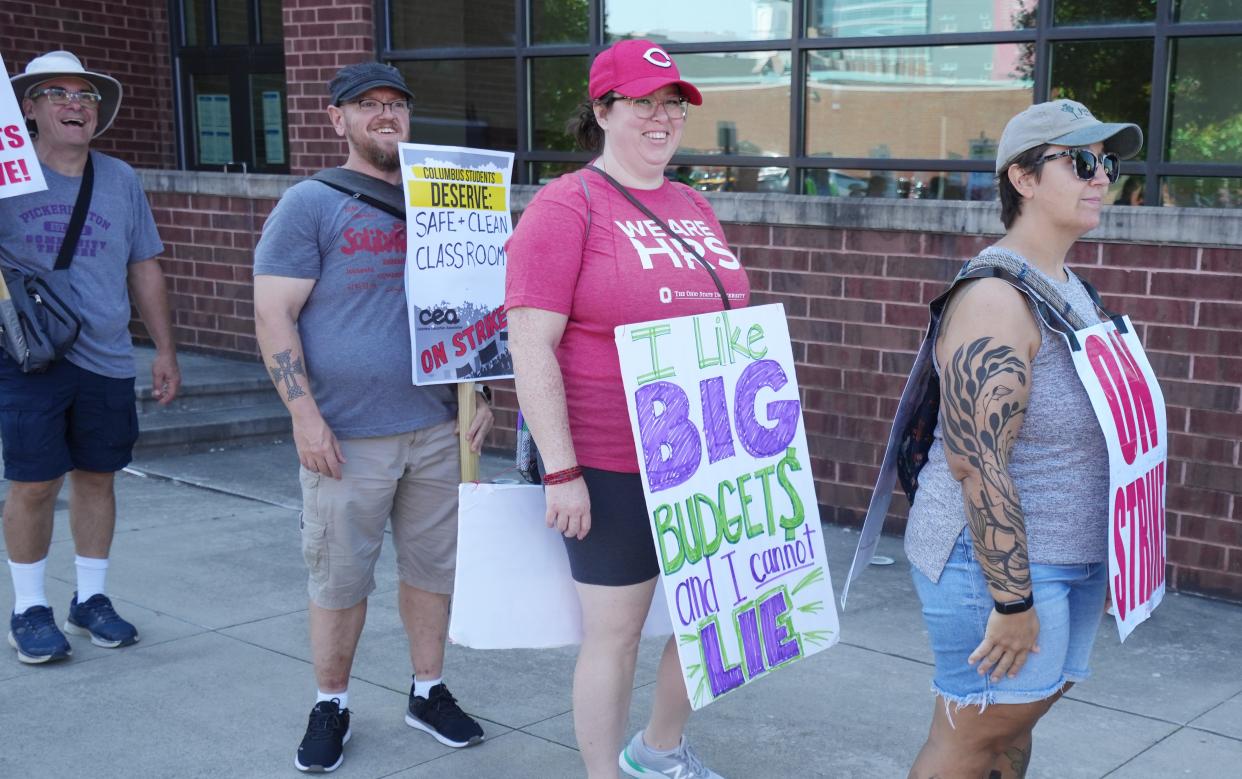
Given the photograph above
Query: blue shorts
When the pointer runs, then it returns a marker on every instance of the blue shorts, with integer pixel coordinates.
(67, 418)
(1068, 598)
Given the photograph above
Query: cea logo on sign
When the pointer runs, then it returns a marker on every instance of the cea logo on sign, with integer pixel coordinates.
(438, 316)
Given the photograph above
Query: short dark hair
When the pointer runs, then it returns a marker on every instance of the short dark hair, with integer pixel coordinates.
(583, 126)
(1010, 198)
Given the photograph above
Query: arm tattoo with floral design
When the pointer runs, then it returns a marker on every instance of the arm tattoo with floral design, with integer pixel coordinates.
(979, 420)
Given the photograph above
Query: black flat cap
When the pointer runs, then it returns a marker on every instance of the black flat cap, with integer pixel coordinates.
(352, 80)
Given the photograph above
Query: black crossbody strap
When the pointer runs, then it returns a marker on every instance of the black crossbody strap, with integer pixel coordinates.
(352, 184)
(724, 297)
(78, 219)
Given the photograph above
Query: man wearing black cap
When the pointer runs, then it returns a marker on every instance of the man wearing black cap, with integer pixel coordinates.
(78, 416)
(332, 324)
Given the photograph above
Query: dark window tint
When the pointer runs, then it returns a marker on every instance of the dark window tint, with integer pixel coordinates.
(1112, 78)
(463, 102)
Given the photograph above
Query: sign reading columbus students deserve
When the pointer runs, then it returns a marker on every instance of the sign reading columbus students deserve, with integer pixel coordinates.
(1128, 402)
(20, 173)
(717, 423)
(457, 222)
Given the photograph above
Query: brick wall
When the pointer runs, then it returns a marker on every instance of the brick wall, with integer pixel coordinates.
(321, 36)
(126, 40)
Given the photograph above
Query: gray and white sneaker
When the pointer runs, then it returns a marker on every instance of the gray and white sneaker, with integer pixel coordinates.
(638, 759)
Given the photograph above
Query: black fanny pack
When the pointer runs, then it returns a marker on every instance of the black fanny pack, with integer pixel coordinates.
(39, 319)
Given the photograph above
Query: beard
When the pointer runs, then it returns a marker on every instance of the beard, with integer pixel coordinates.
(383, 157)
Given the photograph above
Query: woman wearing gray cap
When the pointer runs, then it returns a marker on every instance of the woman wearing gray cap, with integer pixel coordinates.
(1008, 549)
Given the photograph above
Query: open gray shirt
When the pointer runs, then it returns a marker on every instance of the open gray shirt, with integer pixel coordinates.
(1059, 465)
(354, 327)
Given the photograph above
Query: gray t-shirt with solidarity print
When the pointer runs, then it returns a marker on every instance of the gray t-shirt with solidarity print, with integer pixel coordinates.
(119, 230)
(354, 327)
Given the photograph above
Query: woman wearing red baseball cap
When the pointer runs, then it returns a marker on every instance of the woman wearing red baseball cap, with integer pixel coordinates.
(613, 244)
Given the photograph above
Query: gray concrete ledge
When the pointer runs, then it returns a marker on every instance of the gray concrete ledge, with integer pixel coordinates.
(1190, 226)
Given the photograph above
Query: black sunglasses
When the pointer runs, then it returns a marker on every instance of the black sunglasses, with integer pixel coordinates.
(1086, 161)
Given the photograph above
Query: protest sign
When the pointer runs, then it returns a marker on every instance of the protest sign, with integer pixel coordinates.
(20, 172)
(513, 587)
(457, 222)
(1128, 402)
(717, 422)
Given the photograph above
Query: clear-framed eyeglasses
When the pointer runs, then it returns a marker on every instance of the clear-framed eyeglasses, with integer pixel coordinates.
(372, 106)
(62, 96)
(645, 107)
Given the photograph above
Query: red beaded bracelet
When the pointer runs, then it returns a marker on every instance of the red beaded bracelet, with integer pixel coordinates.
(563, 477)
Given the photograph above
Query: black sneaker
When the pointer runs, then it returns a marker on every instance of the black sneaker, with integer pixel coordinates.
(323, 747)
(439, 715)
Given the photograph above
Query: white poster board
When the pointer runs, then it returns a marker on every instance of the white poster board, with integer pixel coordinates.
(513, 587)
(1130, 407)
(457, 223)
(726, 472)
(20, 172)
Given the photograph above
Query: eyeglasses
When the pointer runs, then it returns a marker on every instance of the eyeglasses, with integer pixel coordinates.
(369, 106)
(645, 107)
(1086, 162)
(62, 96)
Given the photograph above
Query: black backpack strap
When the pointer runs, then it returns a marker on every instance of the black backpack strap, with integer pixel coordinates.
(78, 219)
(367, 189)
(1117, 319)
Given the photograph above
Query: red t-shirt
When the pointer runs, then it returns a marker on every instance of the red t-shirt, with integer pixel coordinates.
(588, 253)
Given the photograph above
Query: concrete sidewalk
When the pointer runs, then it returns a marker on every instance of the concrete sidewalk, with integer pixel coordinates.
(207, 563)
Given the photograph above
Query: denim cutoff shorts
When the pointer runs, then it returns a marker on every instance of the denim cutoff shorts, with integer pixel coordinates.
(1069, 600)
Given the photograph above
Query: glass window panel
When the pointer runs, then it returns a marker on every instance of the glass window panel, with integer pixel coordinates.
(905, 184)
(690, 21)
(267, 106)
(850, 18)
(1127, 190)
(745, 103)
(1207, 10)
(452, 23)
(1201, 192)
(233, 22)
(463, 102)
(213, 119)
(725, 178)
(269, 17)
(921, 102)
(558, 86)
(197, 22)
(1112, 78)
(1071, 12)
(543, 172)
(1205, 105)
(559, 21)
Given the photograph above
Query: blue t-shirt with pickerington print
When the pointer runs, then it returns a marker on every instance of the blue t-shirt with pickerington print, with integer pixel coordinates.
(119, 230)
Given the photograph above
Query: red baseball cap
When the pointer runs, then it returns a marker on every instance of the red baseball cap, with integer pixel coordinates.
(636, 68)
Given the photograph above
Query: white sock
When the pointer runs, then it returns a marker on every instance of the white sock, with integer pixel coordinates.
(28, 585)
(92, 571)
(342, 697)
(422, 687)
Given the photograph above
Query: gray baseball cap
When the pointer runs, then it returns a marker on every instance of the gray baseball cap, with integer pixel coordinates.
(1064, 123)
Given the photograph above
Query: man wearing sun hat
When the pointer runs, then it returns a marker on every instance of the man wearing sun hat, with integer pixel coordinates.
(78, 417)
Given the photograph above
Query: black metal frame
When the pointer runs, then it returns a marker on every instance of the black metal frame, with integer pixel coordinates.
(237, 63)
(1162, 30)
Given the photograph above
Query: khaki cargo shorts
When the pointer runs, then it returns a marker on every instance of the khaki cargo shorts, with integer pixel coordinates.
(411, 479)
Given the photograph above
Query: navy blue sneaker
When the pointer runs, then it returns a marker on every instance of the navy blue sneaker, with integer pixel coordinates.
(96, 618)
(323, 747)
(439, 715)
(34, 635)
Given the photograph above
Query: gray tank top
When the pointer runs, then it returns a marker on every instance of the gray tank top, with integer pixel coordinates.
(1059, 464)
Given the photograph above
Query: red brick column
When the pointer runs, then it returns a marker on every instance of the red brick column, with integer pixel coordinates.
(321, 36)
(127, 40)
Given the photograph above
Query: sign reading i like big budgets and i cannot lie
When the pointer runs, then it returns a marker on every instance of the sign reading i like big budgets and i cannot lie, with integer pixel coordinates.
(457, 222)
(717, 423)
(20, 173)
